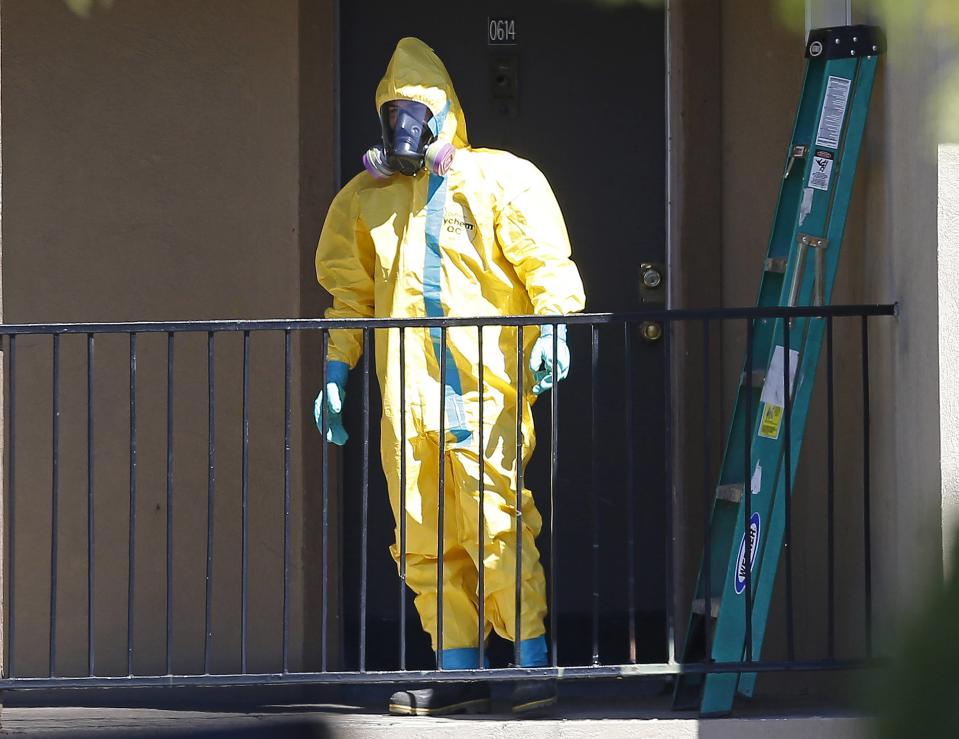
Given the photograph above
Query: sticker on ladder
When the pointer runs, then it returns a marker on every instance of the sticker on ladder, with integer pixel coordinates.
(755, 529)
(772, 419)
(773, 386)
(821, 171)
(773, 395)
(833, 112)
(756, 483)
(805, 206)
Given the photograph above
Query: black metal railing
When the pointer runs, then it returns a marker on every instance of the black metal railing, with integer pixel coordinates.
(330, 665)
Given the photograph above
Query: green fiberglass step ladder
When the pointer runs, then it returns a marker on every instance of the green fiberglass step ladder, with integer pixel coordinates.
(799, 270)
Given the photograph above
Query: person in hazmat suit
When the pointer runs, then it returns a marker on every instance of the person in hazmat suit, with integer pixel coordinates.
(435, 228)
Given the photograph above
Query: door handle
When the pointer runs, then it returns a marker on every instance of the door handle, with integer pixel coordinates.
(652, 283)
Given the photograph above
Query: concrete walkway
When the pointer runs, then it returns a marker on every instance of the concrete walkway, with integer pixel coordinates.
(650, 719)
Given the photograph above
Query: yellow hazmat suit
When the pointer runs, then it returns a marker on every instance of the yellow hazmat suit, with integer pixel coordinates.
(486, 239)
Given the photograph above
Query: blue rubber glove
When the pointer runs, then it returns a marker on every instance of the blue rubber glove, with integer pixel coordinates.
(336, 373)
(542, 361)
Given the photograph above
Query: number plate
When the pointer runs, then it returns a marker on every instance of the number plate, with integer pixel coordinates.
(501, 31)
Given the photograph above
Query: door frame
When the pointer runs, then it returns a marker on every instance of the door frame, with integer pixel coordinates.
(693, 215)
(684, 83)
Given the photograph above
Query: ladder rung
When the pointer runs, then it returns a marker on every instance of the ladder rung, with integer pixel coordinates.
(775, 264)
(699, 606)
(759, 378)
(732, 493)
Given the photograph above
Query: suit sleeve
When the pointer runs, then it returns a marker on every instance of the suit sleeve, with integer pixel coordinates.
(344, 267)
(532, 234)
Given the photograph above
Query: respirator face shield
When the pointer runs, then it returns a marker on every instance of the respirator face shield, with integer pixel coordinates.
(406, 134)
(409, 144)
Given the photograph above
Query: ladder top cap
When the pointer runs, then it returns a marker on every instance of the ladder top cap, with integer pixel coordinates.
(845, 42)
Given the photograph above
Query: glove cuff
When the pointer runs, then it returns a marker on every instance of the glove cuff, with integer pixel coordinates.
(546, 331)
(337, 372)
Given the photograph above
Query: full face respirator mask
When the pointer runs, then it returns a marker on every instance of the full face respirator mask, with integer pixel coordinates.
(409, 143)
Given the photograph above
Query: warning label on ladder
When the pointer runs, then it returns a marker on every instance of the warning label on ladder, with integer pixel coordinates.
(771, 421)
(821, 170)
(833, 112)
(773, 395)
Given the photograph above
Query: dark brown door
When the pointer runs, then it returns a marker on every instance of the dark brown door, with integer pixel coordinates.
(589, 110)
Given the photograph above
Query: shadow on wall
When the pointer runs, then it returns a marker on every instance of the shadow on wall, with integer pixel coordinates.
(915, 695)
(905, 20)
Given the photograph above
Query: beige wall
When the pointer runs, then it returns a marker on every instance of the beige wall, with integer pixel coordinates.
(747, 136)
(900, 263)
(889, 255)
(171, 159)
(155, 170)
(758, 118)
(948, 267)
(318, 181)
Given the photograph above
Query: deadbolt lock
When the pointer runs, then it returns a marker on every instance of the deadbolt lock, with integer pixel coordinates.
(651, 283)
(651, 276)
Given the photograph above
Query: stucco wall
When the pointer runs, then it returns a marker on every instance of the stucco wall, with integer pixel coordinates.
(169, 159)
(153, 171)
(900, 264)
(889, 255)
(948, 257)
(758, 117)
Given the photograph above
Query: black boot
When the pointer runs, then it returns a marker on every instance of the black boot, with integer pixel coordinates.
(441, 699)
(533, 696)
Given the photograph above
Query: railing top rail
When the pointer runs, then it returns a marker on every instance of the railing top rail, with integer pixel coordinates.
(299, 324)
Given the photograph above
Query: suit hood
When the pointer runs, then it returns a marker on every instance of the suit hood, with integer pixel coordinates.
(416, 73)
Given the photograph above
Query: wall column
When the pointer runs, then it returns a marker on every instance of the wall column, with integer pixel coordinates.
(948, 269)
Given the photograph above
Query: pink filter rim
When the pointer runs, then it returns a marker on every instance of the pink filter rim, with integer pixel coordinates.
(440, 161)
(371, 168)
